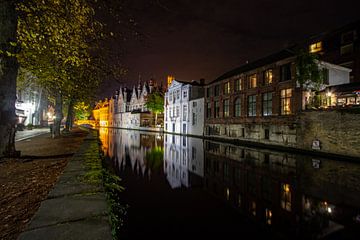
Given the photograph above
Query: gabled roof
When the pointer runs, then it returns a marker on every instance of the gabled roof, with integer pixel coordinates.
(283, 54)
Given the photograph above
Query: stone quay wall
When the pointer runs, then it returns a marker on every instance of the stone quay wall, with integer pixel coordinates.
(335, 132)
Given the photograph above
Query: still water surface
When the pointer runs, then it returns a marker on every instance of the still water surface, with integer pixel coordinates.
(184, 187)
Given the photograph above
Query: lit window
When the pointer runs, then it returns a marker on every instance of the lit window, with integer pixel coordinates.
(253, 208)
(268, 216)
(286, 95)
(252, 81)
(285, 201)
(238, 85)
(268, 76)
(315, 47)
(227, 88)
(226, 108)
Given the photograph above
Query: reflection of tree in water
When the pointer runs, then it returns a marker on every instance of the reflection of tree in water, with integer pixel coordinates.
(154, 158)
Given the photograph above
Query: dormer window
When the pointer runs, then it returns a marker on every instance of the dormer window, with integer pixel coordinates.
(315, 47)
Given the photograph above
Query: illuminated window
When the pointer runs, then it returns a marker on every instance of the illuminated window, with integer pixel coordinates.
(268, 76)
(237, 107)
(227, 193)
(315, 47)
(267, 104)
(285, 198)
(238, 85)
(286, 95)
(252, 106)
(268, 216)
(253, 208)
(226, 107)
(252, 81)
(227, 88)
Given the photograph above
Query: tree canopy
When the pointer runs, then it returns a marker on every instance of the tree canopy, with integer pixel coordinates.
(155, 102)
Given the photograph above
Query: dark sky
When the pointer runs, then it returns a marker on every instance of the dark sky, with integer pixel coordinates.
(193, 39)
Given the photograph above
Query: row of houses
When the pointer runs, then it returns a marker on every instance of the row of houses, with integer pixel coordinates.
(261, 101)
(127, 108)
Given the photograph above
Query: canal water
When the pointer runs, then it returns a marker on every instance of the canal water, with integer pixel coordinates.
(185, 187)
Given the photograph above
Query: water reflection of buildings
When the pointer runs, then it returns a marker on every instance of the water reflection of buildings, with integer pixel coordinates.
(183, 160)
(134, 149)
(284, 191)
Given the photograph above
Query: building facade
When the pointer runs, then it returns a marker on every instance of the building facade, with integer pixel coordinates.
(340, 46)
(184, 108)
(260, 101)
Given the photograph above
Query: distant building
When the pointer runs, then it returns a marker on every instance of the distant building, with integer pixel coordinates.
(184, 108)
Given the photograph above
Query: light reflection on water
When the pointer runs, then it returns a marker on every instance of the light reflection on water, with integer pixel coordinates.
(211, 188)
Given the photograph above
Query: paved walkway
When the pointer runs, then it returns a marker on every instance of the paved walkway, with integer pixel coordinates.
(25, 134)
(73, 209)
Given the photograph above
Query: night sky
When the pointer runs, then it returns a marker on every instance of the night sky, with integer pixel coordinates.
(203, 39)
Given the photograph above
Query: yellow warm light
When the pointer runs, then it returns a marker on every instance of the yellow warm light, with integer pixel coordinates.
(170, 79)
(315, 47)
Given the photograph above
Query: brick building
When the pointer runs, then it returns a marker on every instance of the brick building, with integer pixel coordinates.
(260, 101)
(340, 47)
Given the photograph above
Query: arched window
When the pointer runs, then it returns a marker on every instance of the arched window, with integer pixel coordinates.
(237, 106)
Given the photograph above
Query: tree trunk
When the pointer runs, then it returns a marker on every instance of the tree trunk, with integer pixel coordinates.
(8, 74)
(69, 117)
(156, 119)
(58, 115)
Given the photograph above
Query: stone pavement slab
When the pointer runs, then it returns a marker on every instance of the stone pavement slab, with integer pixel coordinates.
(74, 209)
(94, 228)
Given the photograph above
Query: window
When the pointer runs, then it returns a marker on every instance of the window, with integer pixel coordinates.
(209, 92)
(238, 85)
(184, 112)
(267, 135)
(268, 216)
(267, 104)
(347, 49)
(171, 97)
(252, 81)
(237, 107)
(285, 201)
(268, 77)
(194, 118)
(216, 90)
(286, 95)
(315, 47)
(208, 110)
(227, 88)
(177, 111)
(217, 109)
(226, 108)
(285, 72)
(252, 105)
(185, 94)
(184, 128)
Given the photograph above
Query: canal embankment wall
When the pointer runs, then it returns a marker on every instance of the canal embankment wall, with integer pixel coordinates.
(334, 132)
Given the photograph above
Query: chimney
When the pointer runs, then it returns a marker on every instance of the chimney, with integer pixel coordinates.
(202, 81)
